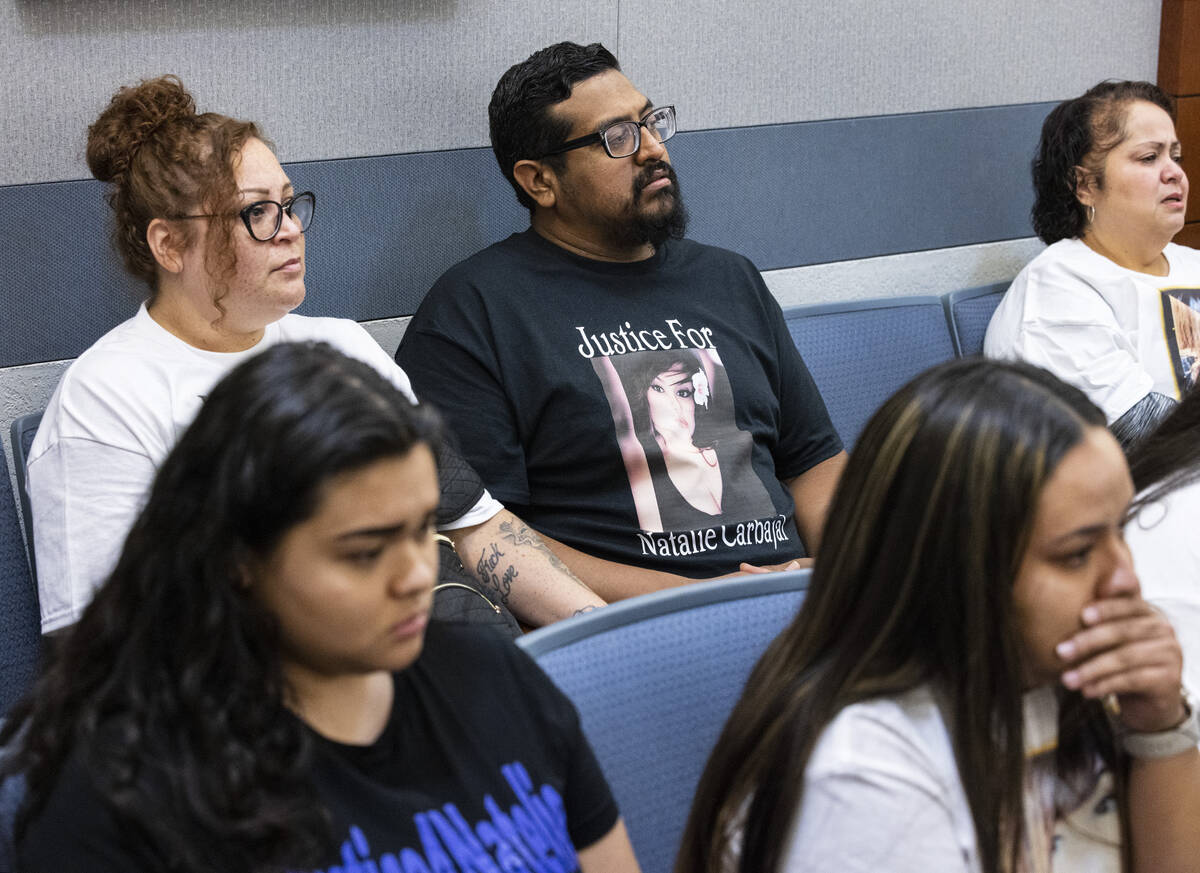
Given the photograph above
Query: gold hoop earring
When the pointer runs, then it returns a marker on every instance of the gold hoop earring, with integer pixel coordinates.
(1091, 214)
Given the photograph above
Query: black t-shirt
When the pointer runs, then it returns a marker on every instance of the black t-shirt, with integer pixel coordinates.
(483, 760)
(545, 364)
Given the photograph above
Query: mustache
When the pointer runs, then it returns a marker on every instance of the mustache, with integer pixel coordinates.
(651, 172)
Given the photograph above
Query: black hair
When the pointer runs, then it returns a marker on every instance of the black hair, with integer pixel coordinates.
(1169, 457)
(519, 118)
(169, 692)
(1080, 133)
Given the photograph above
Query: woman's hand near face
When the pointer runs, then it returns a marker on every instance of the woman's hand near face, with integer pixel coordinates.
(1128, 648)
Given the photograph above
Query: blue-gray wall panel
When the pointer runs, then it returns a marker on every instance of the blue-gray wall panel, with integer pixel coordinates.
(786, 195)
(61, 283)
(387, 226)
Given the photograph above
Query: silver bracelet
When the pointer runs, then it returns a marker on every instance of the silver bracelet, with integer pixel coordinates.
(1168, 743)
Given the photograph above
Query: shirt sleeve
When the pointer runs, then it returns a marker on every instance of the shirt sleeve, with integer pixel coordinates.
(1066, 327)
(76, 830)
(590, 808)
(806, 433)
(869, 821)
(85, 496)
(443, 351)
(353, 340)
(875, 800)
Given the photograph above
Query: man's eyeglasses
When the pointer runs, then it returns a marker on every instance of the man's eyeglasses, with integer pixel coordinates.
(624, 138)
(263, 218)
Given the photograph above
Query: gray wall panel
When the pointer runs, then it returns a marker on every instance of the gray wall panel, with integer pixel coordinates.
(326, 79)
(330, 79)
(739, 62)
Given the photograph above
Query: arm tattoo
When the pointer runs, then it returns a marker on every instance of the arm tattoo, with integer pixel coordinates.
(583, 609)
(523, 536)
(500, 583)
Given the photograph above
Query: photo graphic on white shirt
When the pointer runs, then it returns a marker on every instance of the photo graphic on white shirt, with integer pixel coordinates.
(1181, 322)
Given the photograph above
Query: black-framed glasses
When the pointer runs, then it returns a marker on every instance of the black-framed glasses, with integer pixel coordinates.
(263, 218)
(623, 138)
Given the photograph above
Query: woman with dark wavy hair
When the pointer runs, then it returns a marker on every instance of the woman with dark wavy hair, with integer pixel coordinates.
(973, 678)
(1112, 306)
(255, 687)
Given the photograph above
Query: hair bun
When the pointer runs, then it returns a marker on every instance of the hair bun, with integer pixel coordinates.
(131, 118)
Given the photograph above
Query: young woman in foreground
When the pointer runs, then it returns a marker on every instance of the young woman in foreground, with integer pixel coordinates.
(255, 688)
(945, 700)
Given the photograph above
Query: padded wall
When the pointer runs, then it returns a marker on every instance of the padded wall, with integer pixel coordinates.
(793, 194)
(332, 79)
(731, 63)
(325, 78)
(386, 227)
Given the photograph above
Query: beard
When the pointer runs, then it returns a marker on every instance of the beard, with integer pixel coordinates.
(639, 226)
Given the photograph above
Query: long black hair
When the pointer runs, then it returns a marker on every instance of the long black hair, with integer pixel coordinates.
(1080, 133)
(912, 586)
(1169, 458)
(169, 692)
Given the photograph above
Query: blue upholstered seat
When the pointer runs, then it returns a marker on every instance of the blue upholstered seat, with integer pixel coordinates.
(861, 352)
(20, 638)
(12, 793)
(24, 429)
(969, 310)
(20, 626)
(654, 679)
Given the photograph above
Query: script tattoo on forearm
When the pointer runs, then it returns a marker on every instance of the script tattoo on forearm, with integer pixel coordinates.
(584, 609)
(523, 536)
(499, 582)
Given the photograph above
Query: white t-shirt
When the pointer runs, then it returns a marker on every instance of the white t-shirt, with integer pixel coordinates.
(1115, 334)
(1166, 554)
(882, 792)
(110, 423)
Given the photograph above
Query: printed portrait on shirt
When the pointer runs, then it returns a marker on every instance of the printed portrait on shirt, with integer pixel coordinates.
(1181, 318)
(1080, 820)
(689, 466)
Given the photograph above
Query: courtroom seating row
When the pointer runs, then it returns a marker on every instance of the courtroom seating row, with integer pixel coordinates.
(654, 677)
(859, 353)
